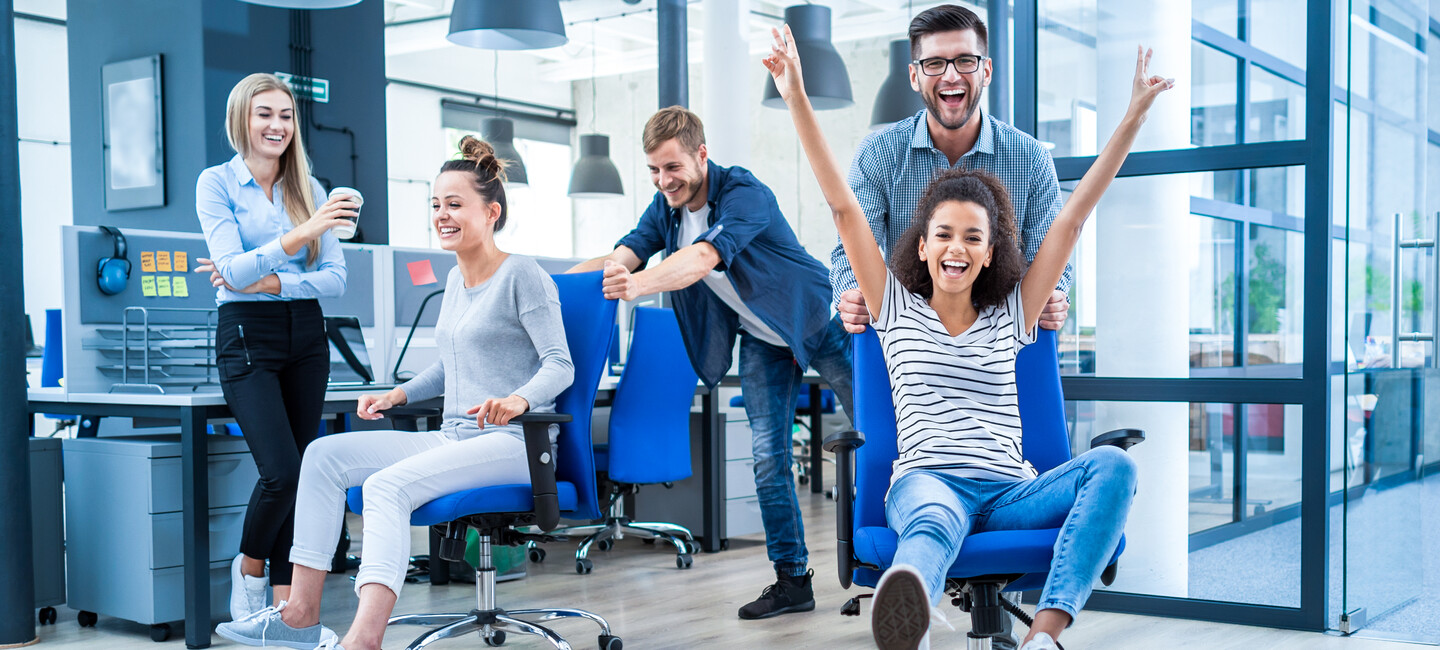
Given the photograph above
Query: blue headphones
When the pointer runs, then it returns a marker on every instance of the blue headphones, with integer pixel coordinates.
(114, 271)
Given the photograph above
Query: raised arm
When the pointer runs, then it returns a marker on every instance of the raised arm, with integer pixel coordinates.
(1054, 253)
(855, 236)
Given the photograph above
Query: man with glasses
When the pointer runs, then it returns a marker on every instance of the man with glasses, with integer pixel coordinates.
(893, 166)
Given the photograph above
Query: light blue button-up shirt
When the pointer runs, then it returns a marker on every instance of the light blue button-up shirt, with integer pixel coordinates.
(243, 230)
(893, 166)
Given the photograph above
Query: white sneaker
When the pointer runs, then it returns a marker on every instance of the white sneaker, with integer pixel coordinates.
(900, 617)
(331, 643)
(247, 593)
(1041, 641)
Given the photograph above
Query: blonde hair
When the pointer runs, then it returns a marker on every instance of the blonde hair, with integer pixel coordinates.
(294, 166)
(674, 123)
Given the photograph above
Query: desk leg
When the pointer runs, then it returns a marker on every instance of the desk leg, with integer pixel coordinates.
(712, 475)
(817, 458)
(195, 490)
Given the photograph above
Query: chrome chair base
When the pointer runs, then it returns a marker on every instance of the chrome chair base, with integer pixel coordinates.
(616, 525)
(492, 623)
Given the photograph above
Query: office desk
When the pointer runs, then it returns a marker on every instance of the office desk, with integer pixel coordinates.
(193, 411)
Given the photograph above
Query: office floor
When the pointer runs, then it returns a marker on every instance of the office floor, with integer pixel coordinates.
(651, 604)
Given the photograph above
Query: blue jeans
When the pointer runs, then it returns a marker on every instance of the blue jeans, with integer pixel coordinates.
(770, 383)
(1087, 498)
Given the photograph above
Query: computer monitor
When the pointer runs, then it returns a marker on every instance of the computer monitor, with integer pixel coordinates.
(349, 358)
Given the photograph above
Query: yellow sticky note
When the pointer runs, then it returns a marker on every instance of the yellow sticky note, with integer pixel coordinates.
(147, 261)
(181, 264)
(162, 286)
(147, 286)
(162, 261)
(179, 288)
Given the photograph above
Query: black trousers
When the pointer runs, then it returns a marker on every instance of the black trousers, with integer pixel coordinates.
(274, 362)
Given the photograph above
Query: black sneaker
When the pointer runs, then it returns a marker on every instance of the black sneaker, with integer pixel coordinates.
(788, 594)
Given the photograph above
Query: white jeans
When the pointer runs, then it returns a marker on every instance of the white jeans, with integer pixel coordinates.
(399, 471)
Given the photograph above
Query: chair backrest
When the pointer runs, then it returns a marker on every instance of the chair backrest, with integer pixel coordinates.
(1046, 439)
(650, 417)
(588, 316)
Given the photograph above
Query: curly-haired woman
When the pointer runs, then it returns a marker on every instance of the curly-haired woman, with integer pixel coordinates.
(952, 315)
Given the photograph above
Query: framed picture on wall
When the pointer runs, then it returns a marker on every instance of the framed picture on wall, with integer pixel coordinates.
(134, 135)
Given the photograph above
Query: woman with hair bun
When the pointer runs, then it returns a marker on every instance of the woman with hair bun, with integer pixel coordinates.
(502, 353)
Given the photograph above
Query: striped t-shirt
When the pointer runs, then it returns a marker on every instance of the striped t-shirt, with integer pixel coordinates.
(955, 398)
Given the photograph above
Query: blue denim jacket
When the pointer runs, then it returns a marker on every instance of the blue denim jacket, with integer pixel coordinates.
(786, 288)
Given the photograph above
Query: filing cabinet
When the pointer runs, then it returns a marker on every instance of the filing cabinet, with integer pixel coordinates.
(123, 521)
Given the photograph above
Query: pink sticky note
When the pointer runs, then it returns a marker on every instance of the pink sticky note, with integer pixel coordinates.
(421, 272)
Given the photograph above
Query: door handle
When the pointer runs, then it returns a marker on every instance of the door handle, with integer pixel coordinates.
(1397, 292)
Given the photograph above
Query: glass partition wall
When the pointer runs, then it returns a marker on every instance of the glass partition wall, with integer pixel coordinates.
(1258, 292)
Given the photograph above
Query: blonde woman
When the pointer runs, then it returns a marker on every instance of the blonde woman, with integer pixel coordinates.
(272, 255)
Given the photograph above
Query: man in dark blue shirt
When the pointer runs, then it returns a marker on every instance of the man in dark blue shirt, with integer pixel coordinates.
(733, 266)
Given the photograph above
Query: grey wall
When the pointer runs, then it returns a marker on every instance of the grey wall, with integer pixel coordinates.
(208, 46)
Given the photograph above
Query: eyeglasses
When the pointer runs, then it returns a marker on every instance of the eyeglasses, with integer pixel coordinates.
(964, 64)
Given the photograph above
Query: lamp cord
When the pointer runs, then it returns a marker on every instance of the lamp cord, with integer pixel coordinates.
(594, 81)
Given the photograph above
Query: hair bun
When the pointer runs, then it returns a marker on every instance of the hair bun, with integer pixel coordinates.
(482, 153)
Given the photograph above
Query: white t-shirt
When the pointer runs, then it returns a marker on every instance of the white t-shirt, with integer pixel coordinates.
(694, 224)
(956, 406)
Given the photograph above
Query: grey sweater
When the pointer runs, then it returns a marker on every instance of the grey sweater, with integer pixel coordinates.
(502, 337)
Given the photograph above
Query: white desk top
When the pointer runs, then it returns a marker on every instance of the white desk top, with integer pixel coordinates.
(209, 398)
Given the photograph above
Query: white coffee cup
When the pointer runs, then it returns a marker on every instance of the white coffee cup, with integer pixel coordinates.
(346, 231)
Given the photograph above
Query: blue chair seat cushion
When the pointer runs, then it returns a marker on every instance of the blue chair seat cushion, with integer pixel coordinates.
(515, 498)
(802, 404)
(998, 552)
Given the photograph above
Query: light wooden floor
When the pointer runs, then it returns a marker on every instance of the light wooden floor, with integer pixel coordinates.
(651, 604)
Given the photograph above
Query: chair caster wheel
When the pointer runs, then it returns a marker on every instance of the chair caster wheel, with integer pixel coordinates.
(694, 549)
(683, 561)
(851, 607)
(47, 616)
(648, 540)
(87, 619)
(608, 642)
(605, 544)
(159, 632)
(583, 566)
(496, 640)
(804, 480)
(537, 555)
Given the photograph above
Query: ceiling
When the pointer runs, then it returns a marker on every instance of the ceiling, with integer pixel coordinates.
(621, 36)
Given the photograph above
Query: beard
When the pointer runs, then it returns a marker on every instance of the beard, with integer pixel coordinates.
(936, 107)
(687, 194)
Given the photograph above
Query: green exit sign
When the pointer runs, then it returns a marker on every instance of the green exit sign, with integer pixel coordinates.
(312, 88)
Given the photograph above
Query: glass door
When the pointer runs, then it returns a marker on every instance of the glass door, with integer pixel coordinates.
(1384, 450)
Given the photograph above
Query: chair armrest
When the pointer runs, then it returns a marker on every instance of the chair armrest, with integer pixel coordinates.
(542, 465)
(1122, 438)
(843, 445)
(843, 441)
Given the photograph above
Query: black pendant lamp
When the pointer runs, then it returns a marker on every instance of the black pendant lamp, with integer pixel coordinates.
(826, 80)
(507, 24)
(595, 176)
(896, 99)
(304, 4)
(500, 133)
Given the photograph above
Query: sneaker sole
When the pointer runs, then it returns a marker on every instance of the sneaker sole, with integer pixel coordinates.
(900, 616)
(802, 607)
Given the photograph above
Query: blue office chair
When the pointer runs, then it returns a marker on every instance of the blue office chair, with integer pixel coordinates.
(649, 437)
(563, 485)
(989, 562)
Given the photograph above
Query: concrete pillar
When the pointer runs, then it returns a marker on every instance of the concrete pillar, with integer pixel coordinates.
(1142, 326)
(727, 98)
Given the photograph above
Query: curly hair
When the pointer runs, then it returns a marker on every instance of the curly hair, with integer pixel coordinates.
(1007, 265)
(487, 171)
